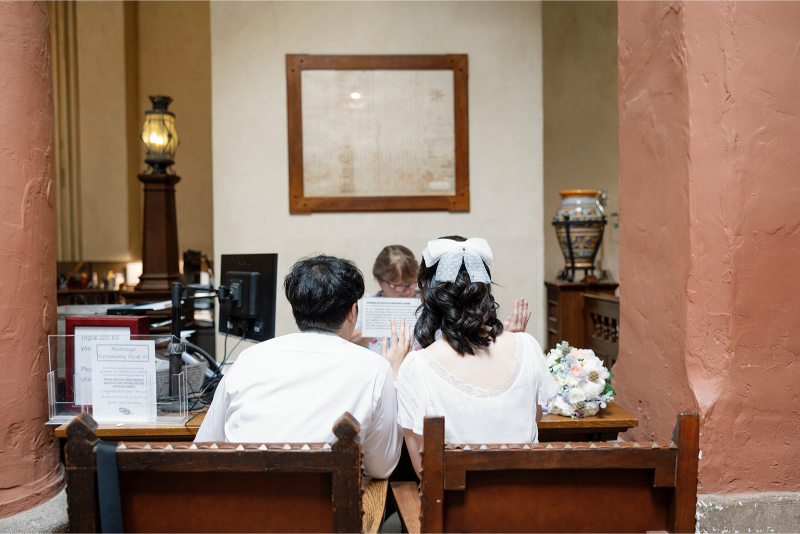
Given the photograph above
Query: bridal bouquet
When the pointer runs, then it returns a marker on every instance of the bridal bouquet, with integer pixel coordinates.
(581, 382)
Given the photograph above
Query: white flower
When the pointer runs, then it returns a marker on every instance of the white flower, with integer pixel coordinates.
(582, 354)
(595, 364)
(593, 389)
(571, 380)
(576, 395)
(551, 358)
(591, 410)
(561, 380)
(557, 406)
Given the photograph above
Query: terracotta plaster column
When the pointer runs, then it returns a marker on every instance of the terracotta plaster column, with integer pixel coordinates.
(709, 112)
(30, 472)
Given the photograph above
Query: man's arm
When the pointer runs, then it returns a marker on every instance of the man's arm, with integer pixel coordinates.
(213, 427)
(383, 438)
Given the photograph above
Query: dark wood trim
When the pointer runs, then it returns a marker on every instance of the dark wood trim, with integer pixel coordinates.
(346, 465)
(80, 457)
(343, 459)
(684, 504)
(205, 459)
(432, 496)
(160, 234)
(673, 465)
(299, 203)
(564, 456)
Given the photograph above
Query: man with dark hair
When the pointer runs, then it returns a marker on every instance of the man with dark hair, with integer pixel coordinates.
(293, 388)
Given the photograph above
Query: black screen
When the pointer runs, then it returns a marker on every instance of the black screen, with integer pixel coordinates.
(256, 277)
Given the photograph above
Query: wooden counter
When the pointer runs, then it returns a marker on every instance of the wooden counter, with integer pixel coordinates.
(602, 427)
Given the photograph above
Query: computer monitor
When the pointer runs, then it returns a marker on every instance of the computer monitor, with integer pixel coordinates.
(252, 281)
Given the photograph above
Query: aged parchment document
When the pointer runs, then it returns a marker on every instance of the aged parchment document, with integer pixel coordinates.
(378, 133)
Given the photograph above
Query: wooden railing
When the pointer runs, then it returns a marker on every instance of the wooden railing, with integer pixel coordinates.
(601, 326)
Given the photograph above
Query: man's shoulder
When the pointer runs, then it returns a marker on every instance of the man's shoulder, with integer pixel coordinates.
(318, 343)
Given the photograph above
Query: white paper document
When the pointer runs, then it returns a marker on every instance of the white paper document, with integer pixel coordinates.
(123, 381)
(84, 336)
(376, 314)
(195, 373)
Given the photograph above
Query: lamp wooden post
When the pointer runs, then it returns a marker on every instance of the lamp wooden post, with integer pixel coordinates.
(160, 237)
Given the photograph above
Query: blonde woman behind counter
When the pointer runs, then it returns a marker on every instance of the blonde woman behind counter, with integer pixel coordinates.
(395, 270)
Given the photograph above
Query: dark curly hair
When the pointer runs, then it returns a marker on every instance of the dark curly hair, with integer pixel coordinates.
(322, 290)
(465, 311)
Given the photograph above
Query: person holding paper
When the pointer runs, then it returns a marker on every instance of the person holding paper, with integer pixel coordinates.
(486, 381)
(292, 389)
(395, 270)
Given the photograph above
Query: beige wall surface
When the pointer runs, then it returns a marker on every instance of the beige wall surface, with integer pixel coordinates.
(103, 147)
(180, 66)
(249, 42)
(168, 52)
(581, 145)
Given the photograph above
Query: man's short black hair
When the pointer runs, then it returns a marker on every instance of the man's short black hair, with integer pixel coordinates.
(322, 290)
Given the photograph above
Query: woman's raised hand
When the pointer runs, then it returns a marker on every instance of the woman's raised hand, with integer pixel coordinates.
(518, 321)
(401, 345)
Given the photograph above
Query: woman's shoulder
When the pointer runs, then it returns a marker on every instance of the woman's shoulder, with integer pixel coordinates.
(411, 362)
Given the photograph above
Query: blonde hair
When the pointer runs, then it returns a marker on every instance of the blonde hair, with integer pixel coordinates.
(395, 260)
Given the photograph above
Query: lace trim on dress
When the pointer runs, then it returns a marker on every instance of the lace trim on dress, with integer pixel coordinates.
(469, 389)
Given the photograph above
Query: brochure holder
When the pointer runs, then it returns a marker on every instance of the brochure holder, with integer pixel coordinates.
(134, 380)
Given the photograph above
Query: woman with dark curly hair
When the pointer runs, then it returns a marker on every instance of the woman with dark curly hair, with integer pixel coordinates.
(485, 380)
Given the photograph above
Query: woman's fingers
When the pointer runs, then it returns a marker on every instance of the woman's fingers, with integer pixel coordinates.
(384, 346)
(515, 314)
(394, 331)
(401, 332)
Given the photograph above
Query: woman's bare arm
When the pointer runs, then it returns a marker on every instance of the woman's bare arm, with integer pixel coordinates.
(414, 444)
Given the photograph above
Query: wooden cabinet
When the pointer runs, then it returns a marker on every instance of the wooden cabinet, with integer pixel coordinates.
(565, 316)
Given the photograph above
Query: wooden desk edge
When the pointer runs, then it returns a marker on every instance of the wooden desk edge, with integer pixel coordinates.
(612, 416)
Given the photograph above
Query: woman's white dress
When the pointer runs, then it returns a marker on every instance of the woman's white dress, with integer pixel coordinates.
(505, 414)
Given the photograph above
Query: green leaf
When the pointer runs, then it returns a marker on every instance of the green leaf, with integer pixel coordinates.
(609, 389)
(610, 376)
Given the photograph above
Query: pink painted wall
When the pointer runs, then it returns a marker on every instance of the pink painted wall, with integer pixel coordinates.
(30, 472)
(709, 97)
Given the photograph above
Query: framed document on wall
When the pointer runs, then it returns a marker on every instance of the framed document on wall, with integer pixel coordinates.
(377, 133)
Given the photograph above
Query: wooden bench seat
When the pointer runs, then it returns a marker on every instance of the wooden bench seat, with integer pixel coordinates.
(554, 487)
(227, 487)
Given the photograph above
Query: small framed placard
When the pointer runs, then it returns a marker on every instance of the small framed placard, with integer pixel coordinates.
(377, 133)
(123, 380)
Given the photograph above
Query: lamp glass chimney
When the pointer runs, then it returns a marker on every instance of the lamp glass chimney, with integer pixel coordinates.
(159, 135)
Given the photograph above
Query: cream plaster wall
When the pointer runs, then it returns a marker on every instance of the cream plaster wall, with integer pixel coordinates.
(180, 66)
(249, 41)
(581, 124)
(171, 55)
(101, 118)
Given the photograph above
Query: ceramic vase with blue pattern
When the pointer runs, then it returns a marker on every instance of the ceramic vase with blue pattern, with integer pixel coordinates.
(581, 216)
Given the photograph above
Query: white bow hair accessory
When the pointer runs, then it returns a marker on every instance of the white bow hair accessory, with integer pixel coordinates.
(474, 252)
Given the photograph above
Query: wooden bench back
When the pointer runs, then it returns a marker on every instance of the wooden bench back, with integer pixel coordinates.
(560, 487)
(221, 487)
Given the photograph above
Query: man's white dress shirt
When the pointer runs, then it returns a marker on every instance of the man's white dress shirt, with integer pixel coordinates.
(294, 388)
